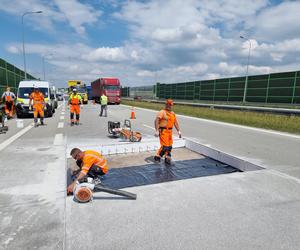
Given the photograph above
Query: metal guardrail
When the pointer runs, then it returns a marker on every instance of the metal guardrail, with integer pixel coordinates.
(283, 111)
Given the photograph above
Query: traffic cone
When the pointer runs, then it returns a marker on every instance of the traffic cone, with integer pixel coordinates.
(132, 116)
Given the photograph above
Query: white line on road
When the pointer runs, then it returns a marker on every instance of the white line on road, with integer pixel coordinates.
(63, 112)
(58, 139)
(4, 144)
(60, 125)
(231, 125)
(62, 117)
(148, 126)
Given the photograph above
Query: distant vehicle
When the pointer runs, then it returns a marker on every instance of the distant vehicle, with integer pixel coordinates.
(111, 87)
(89, 91)
(54, 92)
(60, 96)
(137, 98)
(24, 91)
(81, 89)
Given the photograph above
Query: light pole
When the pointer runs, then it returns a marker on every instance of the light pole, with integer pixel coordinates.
(43, 60)
(246, 81)
(26, 13)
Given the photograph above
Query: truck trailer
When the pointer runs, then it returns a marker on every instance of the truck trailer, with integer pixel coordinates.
(108, 86)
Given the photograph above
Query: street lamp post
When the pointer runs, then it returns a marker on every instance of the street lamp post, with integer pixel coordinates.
(246, 81)
(43, 60)
(24, 57)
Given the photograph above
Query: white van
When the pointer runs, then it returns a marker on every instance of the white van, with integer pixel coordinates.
(24, 91)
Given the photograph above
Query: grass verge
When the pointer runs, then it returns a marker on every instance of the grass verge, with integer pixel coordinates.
(282, 123)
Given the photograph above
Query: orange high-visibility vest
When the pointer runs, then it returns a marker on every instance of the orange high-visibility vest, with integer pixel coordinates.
(91, 158)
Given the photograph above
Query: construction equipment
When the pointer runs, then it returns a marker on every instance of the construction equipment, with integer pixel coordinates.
(83, 192)
(125, 132)
(3, 128)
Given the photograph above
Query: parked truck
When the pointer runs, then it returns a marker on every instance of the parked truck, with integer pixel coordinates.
(111, 87)
(81, 89)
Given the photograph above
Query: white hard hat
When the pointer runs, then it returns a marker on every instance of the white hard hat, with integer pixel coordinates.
(74, 89)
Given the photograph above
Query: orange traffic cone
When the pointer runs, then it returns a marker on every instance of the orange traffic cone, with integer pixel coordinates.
(132, 116)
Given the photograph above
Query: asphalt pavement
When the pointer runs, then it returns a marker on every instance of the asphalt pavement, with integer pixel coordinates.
(249, 210)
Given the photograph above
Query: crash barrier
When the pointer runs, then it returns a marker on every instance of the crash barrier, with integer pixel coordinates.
(10, 76)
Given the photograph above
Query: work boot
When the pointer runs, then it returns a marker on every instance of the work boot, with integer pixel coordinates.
(72, 123)
(77, 123)
(168, 160)
(157, 158)
(35, 125)
(42, 122)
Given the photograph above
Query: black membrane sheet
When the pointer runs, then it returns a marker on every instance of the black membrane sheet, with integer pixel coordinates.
(157, 173)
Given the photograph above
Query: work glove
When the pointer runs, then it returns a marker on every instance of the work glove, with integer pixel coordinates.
(179, 134)
(30, 107)
(45, 107)
(156, 133)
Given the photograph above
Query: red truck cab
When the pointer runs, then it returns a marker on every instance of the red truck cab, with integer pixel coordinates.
(110, 87)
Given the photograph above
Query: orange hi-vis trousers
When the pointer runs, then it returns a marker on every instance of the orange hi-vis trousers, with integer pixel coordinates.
(38, 109)
(166, 141)
(9, 108)
(74, 109)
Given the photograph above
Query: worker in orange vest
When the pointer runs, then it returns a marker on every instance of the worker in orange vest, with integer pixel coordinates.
(164, 122)
(38, 105)
(91, 164)
(75, 101)
(8, 98)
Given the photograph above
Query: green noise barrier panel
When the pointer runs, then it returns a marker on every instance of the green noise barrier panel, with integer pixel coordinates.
(10, 76)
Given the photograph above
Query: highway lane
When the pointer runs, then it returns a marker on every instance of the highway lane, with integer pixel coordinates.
(32, 187)
(35, 213)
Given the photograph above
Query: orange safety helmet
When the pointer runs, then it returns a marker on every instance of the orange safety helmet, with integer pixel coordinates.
(169, 102)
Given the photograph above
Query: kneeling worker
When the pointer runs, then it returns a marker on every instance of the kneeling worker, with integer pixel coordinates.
(75, 101)
(91, 163)
(38, 100)
(164, 122)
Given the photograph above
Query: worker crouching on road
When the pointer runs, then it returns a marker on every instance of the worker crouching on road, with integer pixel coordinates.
(91, 164)
(38, 100)
(164, 122)
(8, 98)
(75, 101)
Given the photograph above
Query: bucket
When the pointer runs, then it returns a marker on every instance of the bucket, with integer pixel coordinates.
(20, 123)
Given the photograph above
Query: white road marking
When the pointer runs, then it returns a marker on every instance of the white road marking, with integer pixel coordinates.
(62, 117)
(58, 139)
(60, 125)
(231, 125)
(148, 126)
(4, 144)
(63, 112)
(59, 106)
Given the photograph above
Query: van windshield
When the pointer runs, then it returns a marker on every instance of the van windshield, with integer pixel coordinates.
(25, 92)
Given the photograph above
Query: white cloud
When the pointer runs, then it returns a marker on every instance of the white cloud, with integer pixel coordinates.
(168, 41)
(78, 14)
(13, 49)
(105, 53)
(278, 22)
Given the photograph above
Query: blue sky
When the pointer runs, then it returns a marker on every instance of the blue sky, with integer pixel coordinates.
(142, 42)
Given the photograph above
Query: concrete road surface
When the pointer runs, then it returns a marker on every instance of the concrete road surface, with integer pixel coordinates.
(249, 210)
